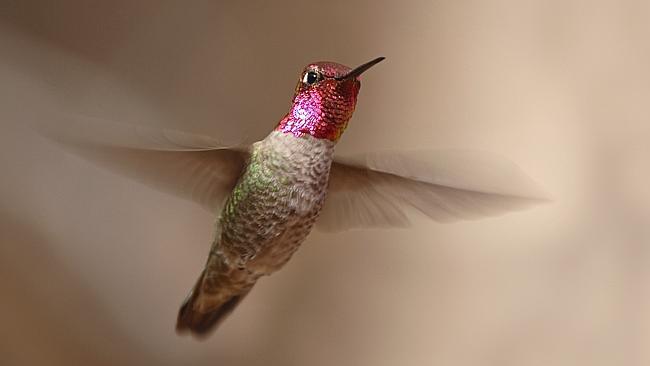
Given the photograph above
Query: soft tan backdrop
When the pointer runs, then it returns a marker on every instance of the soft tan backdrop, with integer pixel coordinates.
(93, 266)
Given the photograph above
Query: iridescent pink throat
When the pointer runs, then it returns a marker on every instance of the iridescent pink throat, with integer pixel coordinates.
(322, 111)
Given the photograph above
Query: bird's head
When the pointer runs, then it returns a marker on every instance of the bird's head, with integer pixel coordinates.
(324, 100)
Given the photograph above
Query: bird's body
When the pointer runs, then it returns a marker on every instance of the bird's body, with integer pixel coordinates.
(278, 196)
(276, 201)
(267, 216)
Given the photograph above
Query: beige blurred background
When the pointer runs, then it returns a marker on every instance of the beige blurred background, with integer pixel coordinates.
(93, 266)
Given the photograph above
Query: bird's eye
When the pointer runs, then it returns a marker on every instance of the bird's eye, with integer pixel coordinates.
(311, 77)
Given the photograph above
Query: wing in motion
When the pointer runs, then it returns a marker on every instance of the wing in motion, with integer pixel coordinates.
(193, 167)
(375, 190)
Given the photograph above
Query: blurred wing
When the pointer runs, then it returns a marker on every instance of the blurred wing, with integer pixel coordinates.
(190, 166)
(375, 190)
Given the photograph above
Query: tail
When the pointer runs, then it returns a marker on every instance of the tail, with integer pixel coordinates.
(200, 314)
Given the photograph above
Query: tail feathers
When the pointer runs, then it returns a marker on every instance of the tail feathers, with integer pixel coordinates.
(199, 322)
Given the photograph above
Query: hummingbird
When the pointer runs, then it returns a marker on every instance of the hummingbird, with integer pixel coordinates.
(273, 192)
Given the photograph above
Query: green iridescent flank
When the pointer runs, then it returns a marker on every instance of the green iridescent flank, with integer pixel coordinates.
(260, 176)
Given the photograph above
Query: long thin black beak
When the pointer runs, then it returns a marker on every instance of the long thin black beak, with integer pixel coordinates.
(360, 69)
